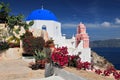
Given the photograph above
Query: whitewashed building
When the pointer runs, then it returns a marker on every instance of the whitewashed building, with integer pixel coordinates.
(46, 20)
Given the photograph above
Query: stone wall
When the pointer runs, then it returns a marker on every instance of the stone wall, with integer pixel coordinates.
(11, 53)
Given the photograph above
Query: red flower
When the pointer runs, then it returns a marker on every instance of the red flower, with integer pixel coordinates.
(60, 56)
(98, 71)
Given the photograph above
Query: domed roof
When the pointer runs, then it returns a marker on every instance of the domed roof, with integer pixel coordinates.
(41, 14)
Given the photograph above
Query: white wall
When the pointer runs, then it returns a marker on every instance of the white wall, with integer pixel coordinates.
(86, 55)
(53, 28)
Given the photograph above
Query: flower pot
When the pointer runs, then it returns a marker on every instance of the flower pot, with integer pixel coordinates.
(41, 63)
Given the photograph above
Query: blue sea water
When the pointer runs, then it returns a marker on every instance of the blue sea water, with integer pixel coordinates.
(111, 54)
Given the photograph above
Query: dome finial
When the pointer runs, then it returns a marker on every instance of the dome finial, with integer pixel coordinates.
(42, 5)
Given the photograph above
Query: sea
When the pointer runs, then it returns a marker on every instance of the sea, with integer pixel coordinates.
(111, 54)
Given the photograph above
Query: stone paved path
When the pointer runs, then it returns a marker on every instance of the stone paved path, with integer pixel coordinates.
(18, 70)
(51, 78)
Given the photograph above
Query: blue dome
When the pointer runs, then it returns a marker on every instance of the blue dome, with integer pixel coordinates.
(41, 14)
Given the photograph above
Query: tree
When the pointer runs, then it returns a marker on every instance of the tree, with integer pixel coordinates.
(4, 12)
(11, 21)
(14, 21)
(17, 21)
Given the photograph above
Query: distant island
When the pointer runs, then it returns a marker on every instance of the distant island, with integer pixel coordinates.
(105, 43)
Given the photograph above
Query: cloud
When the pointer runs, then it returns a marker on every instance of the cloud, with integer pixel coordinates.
(69, 25)
(117, 21)
(92, 25)
(88, 25)
(73, 25)
(106, 24)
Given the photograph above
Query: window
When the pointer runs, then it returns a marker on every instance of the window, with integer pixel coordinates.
(56, 27)
(44, 27)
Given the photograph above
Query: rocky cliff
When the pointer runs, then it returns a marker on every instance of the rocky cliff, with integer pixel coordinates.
(99, 61)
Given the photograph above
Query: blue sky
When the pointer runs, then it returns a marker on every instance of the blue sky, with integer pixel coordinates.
(101, 17)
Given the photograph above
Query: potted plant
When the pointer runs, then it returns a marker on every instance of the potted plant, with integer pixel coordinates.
(40, 58)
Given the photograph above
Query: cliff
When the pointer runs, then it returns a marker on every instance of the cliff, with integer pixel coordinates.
(99, 61)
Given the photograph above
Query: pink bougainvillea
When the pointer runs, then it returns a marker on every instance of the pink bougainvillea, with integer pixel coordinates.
(98, 71)
(83, 65)
(109, 71)
(60, 56)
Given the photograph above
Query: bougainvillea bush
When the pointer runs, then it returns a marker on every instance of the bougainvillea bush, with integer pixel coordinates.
(108, 72)
(98, 71)
(60, 56)
(73, 60)
(83, 65)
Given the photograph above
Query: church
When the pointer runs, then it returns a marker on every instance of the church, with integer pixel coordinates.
(46, 20)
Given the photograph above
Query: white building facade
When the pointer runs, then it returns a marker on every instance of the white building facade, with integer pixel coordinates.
(46, 20)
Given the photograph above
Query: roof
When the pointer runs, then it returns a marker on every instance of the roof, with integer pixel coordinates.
(41, 14)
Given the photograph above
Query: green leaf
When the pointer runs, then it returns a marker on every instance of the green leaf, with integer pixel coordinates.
(31, 23)
(1, 6)
(39, 55)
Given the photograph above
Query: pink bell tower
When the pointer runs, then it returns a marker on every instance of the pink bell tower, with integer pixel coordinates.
(82, 35)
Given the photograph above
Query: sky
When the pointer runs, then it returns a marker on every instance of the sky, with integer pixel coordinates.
(101, 17)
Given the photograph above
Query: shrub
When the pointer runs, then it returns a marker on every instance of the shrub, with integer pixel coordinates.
(4, 45)
(27, 46)
(86, 65)
(49, 43)
(39, 55)
(107, 72)
(79, 64)
(12, 45)
(38, 43)
(116, 75)
(98, 71)
(83, 65)
(73, 60)
(31, 43)
(13, 41)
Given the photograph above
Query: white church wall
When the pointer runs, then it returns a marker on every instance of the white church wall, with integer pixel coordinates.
(60, 41)
(78, 49)
(86, 55)
(57, 29)
(50, 27)
(70, 43)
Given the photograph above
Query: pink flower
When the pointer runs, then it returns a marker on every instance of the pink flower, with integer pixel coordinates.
(60, 56)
